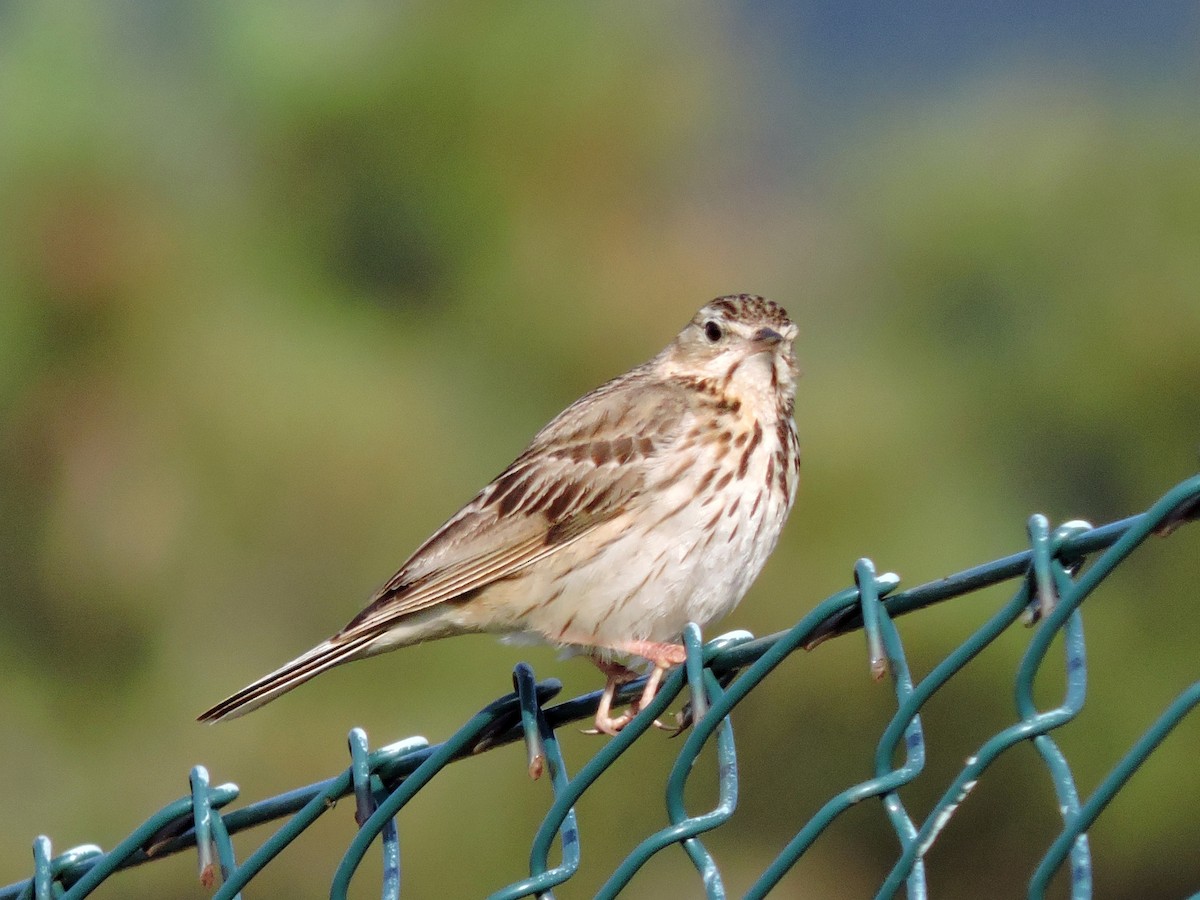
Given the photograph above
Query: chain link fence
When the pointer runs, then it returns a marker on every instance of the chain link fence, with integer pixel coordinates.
(1061, 568)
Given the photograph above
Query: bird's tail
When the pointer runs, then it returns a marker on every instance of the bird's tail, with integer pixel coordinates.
(299, 670)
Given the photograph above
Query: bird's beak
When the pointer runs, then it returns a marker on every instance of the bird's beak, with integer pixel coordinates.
(766, 339)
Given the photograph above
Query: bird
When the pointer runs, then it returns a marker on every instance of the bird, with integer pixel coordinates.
(651, 502)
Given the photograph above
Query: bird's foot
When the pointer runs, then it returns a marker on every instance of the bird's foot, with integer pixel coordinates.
(664, 656)
(615, 676)
(611, 725)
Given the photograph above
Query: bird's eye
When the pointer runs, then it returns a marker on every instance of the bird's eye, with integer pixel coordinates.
(713, 331)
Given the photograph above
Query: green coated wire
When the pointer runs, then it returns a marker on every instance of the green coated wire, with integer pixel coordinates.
(887, 780)
(1086, 816)
(224, 849)
(966, 780)
(684, 828)
(108, 863)
(42, 878)
(460, 742)
(723, 673)
(367, 793)
(1052, 576)
(595, 767)
(542, 879)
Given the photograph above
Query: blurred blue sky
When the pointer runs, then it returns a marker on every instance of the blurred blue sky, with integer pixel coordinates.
(837, 71)
(856, 50)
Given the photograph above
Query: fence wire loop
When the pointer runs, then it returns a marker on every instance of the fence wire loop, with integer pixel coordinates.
(698, 697)
(542, 879)
(43, 873)
(1059, 570)
(869, 592)
(535, 748)
(360, 775)
(1045, 597)
(201, 816)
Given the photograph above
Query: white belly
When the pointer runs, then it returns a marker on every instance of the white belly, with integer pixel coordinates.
(681, 560)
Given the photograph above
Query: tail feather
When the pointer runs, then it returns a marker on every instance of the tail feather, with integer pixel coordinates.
(299, 670)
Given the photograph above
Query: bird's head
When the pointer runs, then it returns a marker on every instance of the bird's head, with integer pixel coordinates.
(742, 341)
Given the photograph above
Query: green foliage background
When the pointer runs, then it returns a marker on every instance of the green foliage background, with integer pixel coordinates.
(282, 286)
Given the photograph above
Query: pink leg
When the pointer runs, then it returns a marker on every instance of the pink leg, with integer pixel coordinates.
(615, 675)
(652, 683)
(663, 656)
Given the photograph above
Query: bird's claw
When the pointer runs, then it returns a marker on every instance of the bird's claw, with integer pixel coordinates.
(614, 726)
(611, 725)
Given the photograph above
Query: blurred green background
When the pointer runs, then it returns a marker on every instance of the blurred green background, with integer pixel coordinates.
(282, 286)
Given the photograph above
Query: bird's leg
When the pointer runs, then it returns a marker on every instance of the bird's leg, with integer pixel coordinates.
(663, 656)
(615, 675)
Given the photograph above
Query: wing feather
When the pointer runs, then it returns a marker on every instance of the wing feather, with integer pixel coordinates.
(578, 472)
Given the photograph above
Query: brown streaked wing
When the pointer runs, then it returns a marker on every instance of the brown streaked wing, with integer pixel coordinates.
(580, 471)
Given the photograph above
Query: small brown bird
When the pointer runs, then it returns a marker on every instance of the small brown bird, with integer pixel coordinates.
(649, 503)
